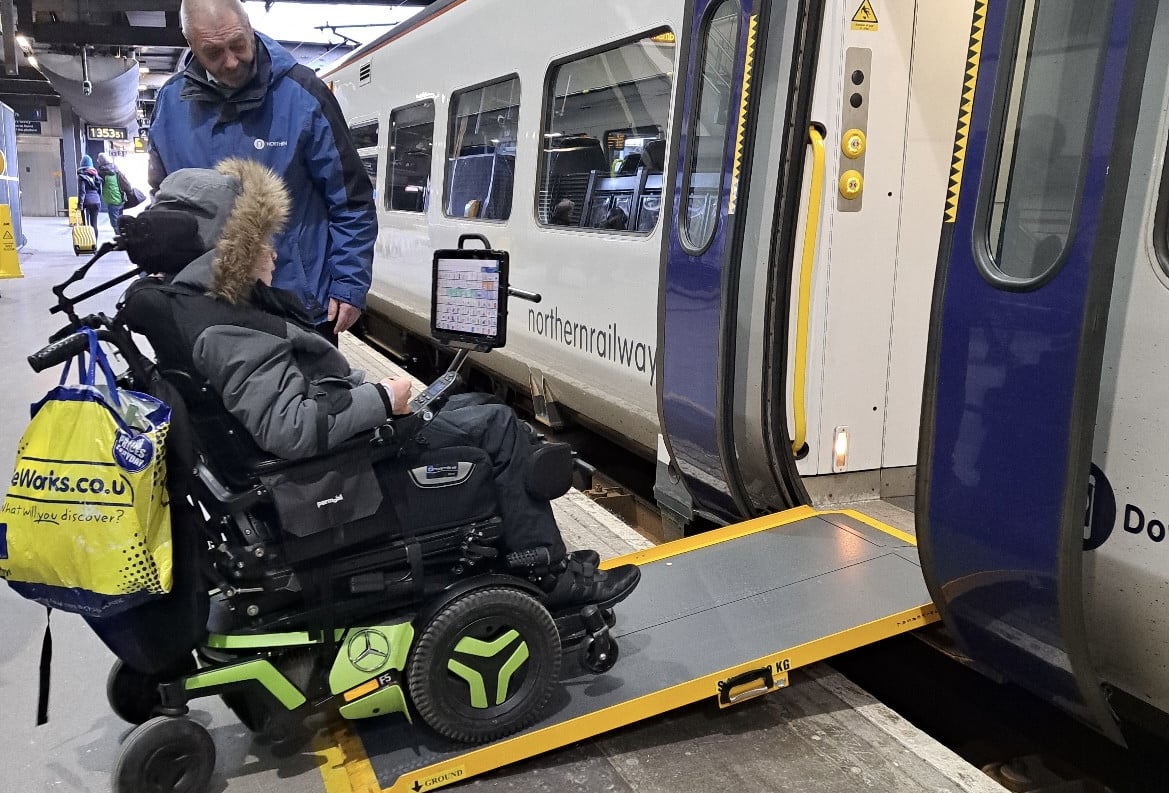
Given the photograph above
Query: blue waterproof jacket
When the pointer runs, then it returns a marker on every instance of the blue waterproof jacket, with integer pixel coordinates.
(286, 118)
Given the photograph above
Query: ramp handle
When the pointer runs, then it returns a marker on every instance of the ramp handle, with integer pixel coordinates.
(731, 691)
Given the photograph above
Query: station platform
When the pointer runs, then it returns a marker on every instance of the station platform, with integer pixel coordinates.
(821, 733)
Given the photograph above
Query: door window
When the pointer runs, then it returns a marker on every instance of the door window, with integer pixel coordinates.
(1045, 98)
(707, 141)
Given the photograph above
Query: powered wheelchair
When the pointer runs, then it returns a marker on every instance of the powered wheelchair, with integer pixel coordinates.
(414, 611)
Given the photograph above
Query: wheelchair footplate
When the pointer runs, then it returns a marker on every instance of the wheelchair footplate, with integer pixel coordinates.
(723, 615)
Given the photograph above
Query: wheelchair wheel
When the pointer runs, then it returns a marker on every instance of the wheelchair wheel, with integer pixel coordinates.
(165, 755)
(132, 695)
(485, 665)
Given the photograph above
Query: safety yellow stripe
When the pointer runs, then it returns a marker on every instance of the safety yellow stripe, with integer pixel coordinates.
(879, 526)
(966, 112)
(744, 94)
(343, 764)
(492, 756)
(714, 537)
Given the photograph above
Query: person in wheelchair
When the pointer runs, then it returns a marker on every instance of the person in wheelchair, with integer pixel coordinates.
(298, 396)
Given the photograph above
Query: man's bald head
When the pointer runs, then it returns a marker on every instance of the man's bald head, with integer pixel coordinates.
(221, 38)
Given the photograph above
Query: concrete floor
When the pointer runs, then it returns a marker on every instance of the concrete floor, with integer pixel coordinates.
(822, 734)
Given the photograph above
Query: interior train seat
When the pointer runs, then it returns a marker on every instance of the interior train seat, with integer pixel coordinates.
(569, 163)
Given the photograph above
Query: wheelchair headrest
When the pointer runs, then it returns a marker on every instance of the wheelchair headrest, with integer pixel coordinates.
(161, 240)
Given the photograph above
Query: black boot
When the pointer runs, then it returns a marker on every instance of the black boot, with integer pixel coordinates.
(582, 583)
(586, 556)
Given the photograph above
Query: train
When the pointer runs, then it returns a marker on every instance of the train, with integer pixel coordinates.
(800, 252)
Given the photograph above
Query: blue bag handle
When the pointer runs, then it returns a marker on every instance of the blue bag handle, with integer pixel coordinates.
(88, 375)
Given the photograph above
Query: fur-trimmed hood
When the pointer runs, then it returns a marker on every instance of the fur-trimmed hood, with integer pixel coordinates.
(238, 206)
(258, 213)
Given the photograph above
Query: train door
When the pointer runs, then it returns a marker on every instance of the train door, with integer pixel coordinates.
(698, 283)
(764, 363)
(1023, 290)
(1126, 563)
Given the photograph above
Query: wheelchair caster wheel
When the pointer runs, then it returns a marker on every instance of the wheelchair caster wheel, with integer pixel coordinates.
(485, 665)
(165, 755)
(132, 695)
(599, 654)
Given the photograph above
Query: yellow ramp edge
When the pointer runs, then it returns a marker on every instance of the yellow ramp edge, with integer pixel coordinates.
(345, 768)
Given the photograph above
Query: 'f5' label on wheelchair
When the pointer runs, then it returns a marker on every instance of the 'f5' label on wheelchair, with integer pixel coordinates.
(442, 474)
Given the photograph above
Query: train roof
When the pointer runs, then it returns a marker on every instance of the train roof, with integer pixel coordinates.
(433, 11)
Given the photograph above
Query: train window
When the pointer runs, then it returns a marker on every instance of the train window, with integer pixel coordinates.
(408, 171)
(480, 169)
(365, 137)
(606, 118)
(707, 141)
(1045, 96)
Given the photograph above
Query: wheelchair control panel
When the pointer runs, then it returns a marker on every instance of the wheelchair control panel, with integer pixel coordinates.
(434, 392)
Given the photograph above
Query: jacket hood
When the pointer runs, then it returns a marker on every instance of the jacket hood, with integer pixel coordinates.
(273, 62)
(238, 208)
(258, 213)
(282, 59)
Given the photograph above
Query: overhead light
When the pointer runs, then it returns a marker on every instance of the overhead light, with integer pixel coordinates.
(143, 70)
(23, 41)
(142, 87)
(32, 61)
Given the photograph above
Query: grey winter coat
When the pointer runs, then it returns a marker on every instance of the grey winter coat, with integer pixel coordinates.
(291, 389)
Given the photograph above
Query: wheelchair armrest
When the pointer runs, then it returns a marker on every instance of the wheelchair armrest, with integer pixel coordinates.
(549, 473)
(277, 464)
(232, 499)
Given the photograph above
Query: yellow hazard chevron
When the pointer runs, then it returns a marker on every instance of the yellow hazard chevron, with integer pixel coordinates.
(748, 62)
(966, 111)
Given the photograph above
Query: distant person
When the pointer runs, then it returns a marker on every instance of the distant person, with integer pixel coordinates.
(616, 219)
(111, 189)
(562, 213)
(241, 94)
(89, 192)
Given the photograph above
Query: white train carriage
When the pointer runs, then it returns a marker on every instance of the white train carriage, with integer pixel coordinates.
(547, 127)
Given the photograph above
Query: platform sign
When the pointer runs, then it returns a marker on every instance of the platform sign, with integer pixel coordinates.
(139, 144)
(95, 132)
(26, 127)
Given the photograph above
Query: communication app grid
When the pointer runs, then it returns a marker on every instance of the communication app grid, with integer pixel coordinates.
(468, 296)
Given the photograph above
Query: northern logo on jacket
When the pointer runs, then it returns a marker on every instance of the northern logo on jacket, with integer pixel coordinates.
(262, 144)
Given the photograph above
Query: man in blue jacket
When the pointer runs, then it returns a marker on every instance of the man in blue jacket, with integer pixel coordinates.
(243, 95)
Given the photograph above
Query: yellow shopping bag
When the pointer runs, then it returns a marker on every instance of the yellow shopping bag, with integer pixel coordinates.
(85, 526)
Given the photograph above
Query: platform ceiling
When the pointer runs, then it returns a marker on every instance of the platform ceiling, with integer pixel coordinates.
(145, 30)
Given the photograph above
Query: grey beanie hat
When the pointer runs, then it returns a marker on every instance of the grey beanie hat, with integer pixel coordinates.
(207, 195)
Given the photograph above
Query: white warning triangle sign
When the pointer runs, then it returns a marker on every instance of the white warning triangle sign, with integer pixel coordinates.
(865, 17)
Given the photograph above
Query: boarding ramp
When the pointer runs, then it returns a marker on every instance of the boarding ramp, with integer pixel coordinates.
(724, 615)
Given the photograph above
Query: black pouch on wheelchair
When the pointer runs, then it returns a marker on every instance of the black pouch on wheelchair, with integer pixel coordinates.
(321, 494)
(439, 488)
